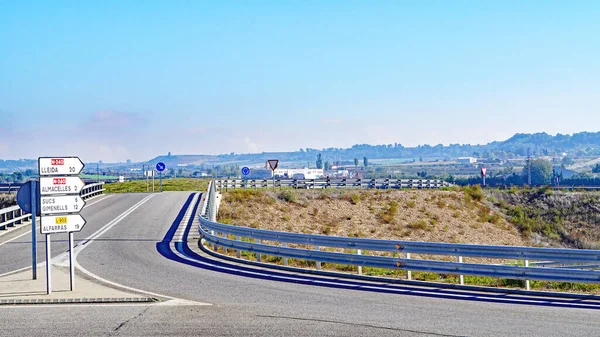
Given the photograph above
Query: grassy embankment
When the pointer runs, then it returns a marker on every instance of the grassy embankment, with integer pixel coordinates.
(172, 184)
(458, 215)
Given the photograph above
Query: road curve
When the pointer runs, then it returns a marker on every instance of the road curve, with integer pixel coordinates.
(242, 306)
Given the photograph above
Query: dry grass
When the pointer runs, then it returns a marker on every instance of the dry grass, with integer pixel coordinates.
(441, 216)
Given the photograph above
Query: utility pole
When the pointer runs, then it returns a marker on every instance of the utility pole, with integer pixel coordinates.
(528, 168)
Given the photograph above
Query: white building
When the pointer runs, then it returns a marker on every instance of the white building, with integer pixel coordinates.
(303, 173)
(466, 160)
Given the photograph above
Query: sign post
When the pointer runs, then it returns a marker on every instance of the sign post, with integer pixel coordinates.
(34, 196)
(160, 167)
(60, 204)
(273, 165)
(27, 198)
(483, 173)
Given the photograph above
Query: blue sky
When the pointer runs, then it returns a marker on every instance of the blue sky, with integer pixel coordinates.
(117, 80)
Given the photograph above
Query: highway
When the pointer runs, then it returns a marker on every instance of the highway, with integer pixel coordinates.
(132, 248)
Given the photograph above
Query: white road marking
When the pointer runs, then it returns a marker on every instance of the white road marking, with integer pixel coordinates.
(178, 236)
(99, 233)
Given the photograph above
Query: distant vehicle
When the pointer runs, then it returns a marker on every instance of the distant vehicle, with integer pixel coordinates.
(298, 176)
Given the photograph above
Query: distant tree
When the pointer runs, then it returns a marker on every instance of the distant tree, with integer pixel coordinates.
(172, 172)
(180, 172)
(596, 168)
(365, 161)
(355, 162)
(567, 161)
(420, 158)
(319, 161)
(17, 177)
(541, 172)
(326, 166)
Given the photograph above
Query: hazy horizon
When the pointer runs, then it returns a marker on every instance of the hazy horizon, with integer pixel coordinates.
(115, 80)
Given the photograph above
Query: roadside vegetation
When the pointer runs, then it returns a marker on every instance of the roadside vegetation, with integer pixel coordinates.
(171, 184)
(531, 217)
(7, 200)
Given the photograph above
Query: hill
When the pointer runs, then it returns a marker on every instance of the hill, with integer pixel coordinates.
(539, 144)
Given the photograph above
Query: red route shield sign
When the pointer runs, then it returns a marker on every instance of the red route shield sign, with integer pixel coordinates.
(273, 163)
(483, 171)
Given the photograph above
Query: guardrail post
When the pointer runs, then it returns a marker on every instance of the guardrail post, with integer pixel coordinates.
(238, 252)
(258, 254)
(10, 216)
(215, 247)
(285, 259)
(461, 277)
(527, 281)
(317, 248)
(359, 252)
(408, 272)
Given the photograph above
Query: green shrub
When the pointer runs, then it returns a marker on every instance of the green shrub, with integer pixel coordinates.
(419, 224)
(411, 204)
(288, 196)
(474, 193)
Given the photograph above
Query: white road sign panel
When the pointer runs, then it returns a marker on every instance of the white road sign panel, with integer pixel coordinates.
(60, 185)
(61, 204)
(61, 223)
(59, 166)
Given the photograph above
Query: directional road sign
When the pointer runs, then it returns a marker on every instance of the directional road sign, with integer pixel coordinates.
(50, 166)
(61, 204)
(245, 171)
(61, 223)
(160, 166)
(60, 185)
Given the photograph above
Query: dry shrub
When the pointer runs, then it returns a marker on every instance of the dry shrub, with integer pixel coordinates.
(419, 224)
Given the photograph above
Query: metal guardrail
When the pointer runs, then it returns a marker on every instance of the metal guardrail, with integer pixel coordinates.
(331, 183)
(209, 230)
(10, 188)
(14, 215)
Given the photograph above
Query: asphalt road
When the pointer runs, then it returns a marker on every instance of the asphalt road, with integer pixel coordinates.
(127, 254)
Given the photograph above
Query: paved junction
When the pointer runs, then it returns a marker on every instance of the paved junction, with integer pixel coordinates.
(142, 248)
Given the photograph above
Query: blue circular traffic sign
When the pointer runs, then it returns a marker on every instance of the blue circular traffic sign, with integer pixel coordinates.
(24, 197)
(160, 166)
(245, 171)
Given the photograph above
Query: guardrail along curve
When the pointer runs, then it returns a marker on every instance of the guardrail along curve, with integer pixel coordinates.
(210, 229)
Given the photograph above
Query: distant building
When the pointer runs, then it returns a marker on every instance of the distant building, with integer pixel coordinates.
(466, 160)
(306, 173)
(338, 173)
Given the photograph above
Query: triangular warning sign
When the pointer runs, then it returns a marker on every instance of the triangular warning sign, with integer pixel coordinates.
(273, 163)
(483, 171)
